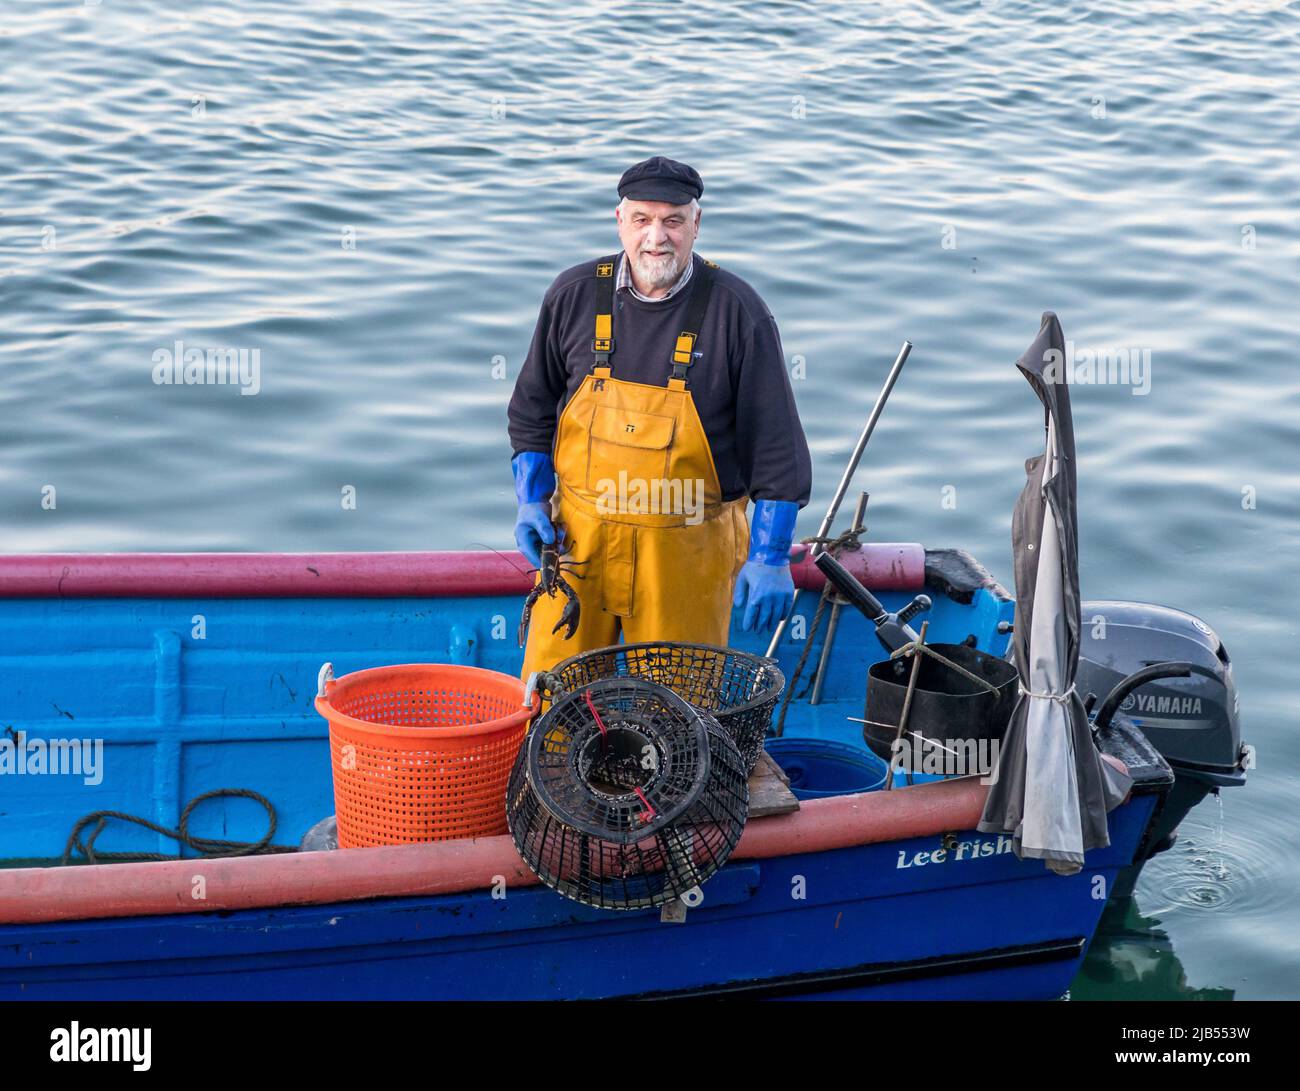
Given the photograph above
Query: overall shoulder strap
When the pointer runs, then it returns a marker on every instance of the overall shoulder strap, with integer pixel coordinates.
(683, 350)
(602, 345)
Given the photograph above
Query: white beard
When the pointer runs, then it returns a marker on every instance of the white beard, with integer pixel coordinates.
(657, 272)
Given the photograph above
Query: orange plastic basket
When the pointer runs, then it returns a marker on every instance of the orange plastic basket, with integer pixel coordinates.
(423, 751)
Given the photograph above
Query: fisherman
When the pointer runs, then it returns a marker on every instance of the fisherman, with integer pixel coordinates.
(655, 391)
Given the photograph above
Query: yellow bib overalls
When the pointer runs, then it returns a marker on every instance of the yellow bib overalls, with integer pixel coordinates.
(638, 501)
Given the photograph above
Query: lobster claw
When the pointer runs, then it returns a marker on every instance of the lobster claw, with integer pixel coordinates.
(570, 614)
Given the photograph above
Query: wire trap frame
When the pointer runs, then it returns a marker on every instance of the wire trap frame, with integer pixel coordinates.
(624, 796)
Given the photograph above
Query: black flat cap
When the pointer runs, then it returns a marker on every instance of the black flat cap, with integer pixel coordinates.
(660, 179)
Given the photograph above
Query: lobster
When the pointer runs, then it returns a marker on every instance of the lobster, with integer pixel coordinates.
(552, 583)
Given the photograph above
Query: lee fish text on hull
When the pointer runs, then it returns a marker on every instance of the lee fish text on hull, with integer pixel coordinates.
(964, 850)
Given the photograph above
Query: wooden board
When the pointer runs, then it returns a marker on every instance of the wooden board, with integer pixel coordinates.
(769, 789)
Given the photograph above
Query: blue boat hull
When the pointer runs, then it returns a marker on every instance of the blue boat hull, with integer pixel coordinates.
(193, 694)
(989, 926)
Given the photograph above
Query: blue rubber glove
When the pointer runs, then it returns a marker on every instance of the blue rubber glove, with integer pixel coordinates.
(765, 587)
(534, 483)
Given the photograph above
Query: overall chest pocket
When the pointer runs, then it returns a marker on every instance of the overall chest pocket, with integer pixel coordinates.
(627, 442)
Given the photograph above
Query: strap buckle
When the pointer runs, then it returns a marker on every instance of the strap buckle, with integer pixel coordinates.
(683, 356)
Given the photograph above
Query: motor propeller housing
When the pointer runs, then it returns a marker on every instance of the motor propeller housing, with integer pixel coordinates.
(1192, 717)
(1194, 721)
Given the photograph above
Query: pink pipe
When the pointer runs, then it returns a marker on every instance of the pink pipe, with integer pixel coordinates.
(41, 895)
(884, 566)
(881, 566)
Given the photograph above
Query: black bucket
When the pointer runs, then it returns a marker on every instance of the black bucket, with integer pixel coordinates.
(946, 706)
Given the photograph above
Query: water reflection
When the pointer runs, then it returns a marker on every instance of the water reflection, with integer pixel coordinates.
(1132, 958)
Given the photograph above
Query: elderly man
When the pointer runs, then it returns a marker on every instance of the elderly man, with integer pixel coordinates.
(653, 405)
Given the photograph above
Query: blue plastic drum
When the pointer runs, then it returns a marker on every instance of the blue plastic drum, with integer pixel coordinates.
(820, 767)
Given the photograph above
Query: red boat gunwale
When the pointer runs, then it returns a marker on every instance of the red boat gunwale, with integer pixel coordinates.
(884, 566)
(43, 895)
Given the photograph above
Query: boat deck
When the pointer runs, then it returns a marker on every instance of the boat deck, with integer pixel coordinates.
(209, 683)
(179, 694)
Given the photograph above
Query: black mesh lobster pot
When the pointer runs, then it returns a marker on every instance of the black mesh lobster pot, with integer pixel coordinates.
(626, 797)
(739, 690)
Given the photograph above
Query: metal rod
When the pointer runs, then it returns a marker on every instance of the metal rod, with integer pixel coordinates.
(907, 706)
(873, 723)
(856, 457)
(860, 513)
(907, 649)
(920, 738)
(831, 626)
(849, 471)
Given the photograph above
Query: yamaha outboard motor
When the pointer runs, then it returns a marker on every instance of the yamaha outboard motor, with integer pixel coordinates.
(1170, 674)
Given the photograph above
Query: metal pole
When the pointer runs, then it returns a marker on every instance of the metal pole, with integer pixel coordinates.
(847, 477)
(858, 516)
(856, 457)
(907, 707)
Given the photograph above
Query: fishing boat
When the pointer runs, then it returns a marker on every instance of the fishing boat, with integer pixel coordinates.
(174, 675)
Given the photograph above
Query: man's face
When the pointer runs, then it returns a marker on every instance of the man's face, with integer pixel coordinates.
(658, 238)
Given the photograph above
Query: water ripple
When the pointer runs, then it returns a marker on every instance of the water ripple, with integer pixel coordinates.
(375, 197)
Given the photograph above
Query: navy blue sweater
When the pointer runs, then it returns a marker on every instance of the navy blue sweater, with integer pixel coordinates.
(740, 386)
